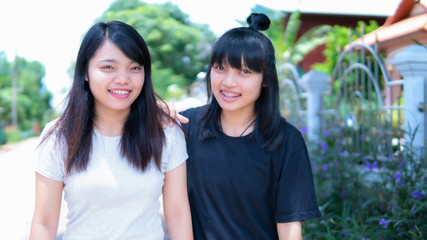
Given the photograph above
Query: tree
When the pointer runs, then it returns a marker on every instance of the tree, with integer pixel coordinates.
(337, 38)
(33, 99)
(179, 49)
(289, 47)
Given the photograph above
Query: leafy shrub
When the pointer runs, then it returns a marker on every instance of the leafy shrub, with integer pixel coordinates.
(12, 135)
(365, 196)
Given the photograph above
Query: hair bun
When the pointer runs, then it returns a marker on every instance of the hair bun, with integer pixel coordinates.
(258, 21)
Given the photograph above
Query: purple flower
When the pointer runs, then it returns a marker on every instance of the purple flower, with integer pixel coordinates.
(336, 161)
(402, 164)
(362, 138)
(412, 209)
(325, 167)
(314, 166)
(345, 154)
(345, 233)
(365, 239)
(395, 208)
(343, 193)
(390, 157)
(324, 145)
(397, 176)
(384, 223)
(326, 133)
(371, 166)
(303, 130)
(417, 194)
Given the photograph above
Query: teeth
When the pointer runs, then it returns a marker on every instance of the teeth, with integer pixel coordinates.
(121, 92)
(229, 95)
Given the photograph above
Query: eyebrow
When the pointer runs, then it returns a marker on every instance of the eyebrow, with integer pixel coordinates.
(114, 61)
(107, 60)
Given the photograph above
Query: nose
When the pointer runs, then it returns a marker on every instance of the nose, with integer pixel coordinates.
(229, 80)
(122, 77)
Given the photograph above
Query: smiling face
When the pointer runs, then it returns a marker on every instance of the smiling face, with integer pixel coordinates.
(114, 79)
(235, 90)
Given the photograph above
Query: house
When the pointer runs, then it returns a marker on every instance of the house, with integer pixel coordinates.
(313, 19)
(407, 26)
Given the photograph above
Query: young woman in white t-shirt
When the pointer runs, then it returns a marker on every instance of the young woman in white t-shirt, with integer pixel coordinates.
(108, 152)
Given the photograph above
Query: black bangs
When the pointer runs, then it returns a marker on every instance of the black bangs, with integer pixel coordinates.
(129, 41)
(128, 47)
(237, 44)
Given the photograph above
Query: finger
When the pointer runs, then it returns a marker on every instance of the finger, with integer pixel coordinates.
(171, 109)
(182, 119)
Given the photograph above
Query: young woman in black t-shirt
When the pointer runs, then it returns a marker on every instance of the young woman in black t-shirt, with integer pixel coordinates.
(249, 173)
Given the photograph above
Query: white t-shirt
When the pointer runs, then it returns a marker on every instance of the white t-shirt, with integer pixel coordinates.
(111, 199)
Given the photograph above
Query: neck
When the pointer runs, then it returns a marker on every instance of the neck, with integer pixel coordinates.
(110, 123)
(237, 125)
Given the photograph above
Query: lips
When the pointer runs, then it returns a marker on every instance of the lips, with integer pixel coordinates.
(120, 93)
(229, 95)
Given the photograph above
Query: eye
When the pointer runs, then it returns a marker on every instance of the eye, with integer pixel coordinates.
(218, 67)
(107, 67)
(136, 68)
(245, 71)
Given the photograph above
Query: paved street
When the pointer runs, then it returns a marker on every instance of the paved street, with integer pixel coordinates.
(17, 190)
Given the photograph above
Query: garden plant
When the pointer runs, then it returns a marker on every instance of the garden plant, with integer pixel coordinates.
(369, 196)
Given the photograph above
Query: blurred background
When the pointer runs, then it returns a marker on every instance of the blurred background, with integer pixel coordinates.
(39, 40)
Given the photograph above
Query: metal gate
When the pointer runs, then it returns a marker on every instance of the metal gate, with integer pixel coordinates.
(362, 107)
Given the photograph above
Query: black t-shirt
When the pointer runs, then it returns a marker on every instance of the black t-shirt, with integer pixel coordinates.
(239, 190)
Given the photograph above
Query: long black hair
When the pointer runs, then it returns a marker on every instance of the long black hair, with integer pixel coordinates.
(257, 52)
(143, 137)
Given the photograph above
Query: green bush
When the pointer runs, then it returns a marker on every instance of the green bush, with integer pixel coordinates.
(366, 196)
(12, 135)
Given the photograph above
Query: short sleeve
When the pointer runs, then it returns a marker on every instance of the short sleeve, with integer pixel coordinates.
(175, 150)
(296, 197)
(50, 161)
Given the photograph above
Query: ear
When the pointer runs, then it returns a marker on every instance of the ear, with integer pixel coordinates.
(86, 78)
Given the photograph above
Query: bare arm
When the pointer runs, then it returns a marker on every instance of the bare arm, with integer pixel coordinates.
(47, 208)
(176, 206)
(289, 231)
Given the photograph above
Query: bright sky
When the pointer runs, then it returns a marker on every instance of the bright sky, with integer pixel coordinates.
(49, 31)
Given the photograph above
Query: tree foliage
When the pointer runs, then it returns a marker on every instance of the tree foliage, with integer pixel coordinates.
(33, 100)
(337, 38)
(179, 48)
(289, 47)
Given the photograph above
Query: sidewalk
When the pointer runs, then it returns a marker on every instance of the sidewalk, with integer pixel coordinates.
(17, 187)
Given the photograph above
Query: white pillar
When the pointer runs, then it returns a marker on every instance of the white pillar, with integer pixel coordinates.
(314, 82)
(412, 65)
